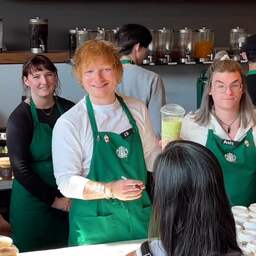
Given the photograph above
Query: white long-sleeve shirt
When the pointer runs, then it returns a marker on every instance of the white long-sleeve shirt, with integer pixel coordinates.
(72, 141)
(190, 130)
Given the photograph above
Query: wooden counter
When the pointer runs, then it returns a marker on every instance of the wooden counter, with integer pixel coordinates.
(21, 56)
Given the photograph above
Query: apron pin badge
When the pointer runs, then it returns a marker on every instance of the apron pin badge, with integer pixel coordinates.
(246, 143)
(106, 138)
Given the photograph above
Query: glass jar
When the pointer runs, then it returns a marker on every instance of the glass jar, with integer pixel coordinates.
(204, 46)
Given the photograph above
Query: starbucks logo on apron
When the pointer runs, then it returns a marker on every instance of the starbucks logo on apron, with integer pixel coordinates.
(122, 152)
(230, 157)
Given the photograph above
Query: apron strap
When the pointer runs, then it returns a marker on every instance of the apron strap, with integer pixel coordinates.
(127, 61)
(93, 120)
(91, 116)
(59, 107)
(127, 112)
(33, 110)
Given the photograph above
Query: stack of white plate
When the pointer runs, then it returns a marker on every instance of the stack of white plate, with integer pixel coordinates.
(245, 219)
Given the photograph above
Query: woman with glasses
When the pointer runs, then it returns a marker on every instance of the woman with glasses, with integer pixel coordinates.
(225, 123)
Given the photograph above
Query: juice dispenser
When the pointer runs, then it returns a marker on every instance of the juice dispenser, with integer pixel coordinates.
(237, 39)
(153, 46)
(204, 46)
(185, 45)
(165, 45)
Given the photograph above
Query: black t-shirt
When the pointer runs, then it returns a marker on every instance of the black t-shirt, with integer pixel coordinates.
(19, 136)
(251, 85)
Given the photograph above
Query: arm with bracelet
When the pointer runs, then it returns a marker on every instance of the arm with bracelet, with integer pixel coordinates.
(120, 189)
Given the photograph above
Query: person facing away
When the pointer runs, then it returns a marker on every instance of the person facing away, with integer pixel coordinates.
(191, 211)
(38, 211)
(102, 150)
(250, 49)
(225, 123)
(133, 41)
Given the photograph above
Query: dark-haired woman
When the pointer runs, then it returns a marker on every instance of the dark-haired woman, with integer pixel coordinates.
(191, 212)
(138, 82)
(225, 123)
(38, 211)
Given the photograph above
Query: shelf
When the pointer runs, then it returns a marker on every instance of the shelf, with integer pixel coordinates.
(5, 184)
(22, 56)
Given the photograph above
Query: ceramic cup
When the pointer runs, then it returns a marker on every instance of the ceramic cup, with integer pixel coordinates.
(252, 207)
(239, 209)
(250, 224)
(246, 236)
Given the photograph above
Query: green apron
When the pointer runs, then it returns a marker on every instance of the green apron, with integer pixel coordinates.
(238, 162)
(108, 220)
(36, 225)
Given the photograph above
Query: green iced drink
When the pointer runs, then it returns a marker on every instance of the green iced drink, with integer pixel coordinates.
(172, 115)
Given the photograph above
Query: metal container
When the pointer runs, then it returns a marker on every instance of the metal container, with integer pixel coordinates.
(108, 34)
(84, 35)
(164, 45)
(72, 41)
(152, 48)
(204, 44)
(1, 35)
(38, 30)
(185, 44)
(237, 39)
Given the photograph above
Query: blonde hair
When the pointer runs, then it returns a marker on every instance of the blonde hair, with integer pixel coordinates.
(202, 116)
(91, 50)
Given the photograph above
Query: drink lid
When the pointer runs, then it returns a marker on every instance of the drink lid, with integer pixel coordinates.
(173, 109)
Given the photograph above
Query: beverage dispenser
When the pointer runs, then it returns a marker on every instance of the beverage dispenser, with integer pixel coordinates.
(38, 29)
(1, 35)
(108, 34)
(152, 48)
(185, 45)
(237, 39)
(165, 45)
(204, 45)
(84, 34)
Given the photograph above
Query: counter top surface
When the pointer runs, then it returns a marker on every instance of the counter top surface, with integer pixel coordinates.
(110, 249)
(21, 56)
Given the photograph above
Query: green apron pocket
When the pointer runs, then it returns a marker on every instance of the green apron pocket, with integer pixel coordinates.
(94, 230)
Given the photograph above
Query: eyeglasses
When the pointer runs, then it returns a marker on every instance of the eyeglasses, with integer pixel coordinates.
(222, 88)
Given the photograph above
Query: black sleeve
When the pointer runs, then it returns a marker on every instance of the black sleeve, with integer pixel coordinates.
(19, 136)
(251, 87)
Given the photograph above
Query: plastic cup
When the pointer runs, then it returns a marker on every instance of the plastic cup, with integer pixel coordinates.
(171, 116)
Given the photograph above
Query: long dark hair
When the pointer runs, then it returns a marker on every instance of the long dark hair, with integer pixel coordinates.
(202, 116)
(191, 211)
(129, 35)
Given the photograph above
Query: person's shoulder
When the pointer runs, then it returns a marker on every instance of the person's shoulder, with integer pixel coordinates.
(133, 103)
(65, 102)
(22, 111)
(74, 113)
(140, 70)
